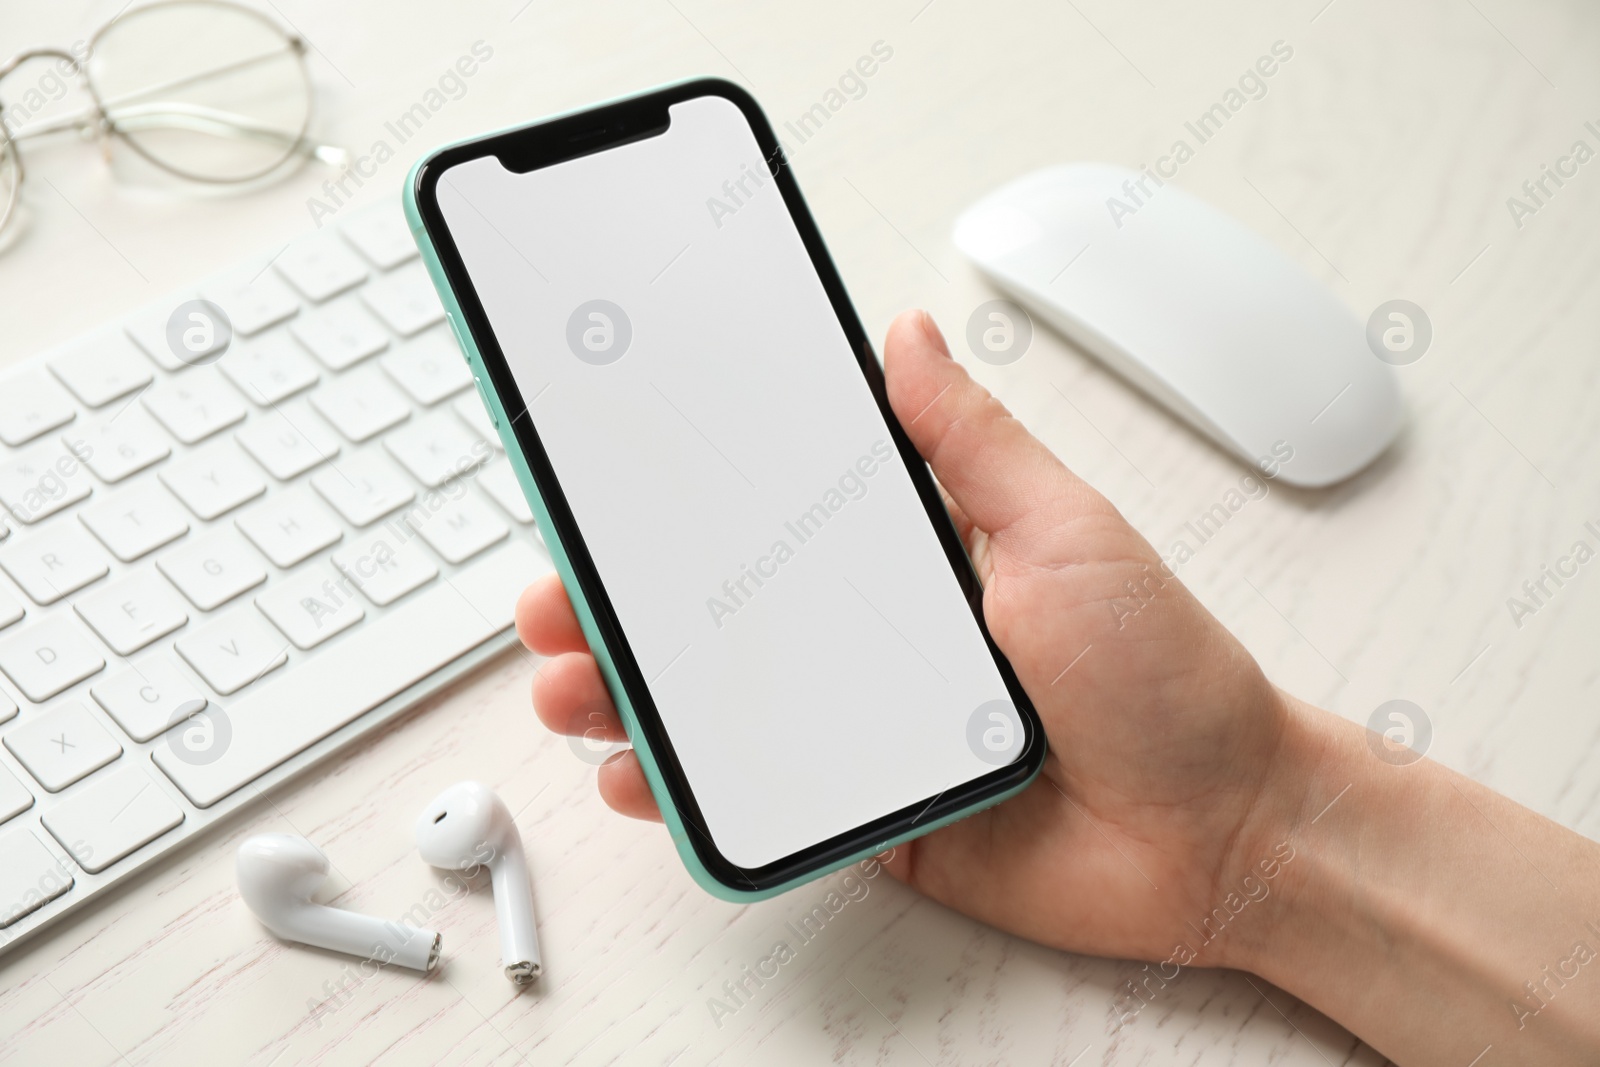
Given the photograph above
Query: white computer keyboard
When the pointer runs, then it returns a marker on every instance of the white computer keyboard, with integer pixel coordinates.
(302, 538)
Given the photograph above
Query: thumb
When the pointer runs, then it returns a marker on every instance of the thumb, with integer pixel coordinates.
(1006, 481)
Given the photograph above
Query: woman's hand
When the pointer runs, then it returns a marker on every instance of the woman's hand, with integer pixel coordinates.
(1189, 813)
(1164, 734)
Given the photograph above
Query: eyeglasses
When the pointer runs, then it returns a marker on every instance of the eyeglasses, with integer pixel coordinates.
(207, 90)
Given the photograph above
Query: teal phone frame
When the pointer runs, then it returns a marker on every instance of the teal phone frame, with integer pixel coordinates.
(467, 321)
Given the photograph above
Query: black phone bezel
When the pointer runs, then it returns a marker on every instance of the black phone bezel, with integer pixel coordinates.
(556, 140)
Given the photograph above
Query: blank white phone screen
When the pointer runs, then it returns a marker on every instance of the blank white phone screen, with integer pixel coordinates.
(811, 654)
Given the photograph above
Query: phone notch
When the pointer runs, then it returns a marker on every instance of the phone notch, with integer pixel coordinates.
(563, 139)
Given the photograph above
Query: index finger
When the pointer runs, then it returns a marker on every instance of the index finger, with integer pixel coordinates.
(545, 619)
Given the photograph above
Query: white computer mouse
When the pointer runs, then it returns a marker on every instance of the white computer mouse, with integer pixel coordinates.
(1207, 317)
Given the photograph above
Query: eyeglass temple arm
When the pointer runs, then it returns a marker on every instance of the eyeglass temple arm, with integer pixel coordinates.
(192, 116)
(295, 47)
(204, 120)
(207, 120)
(89, 118)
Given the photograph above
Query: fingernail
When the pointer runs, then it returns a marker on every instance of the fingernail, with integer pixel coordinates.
(930, 329)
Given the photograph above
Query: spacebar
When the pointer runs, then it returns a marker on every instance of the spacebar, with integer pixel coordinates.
(313, 698)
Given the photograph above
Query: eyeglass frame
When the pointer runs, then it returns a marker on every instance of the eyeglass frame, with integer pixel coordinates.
(99, 121)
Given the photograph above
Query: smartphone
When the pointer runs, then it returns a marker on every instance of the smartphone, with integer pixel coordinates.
(761, 562)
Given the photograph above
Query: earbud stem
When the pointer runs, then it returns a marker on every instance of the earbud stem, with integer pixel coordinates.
(513, 898)
(366, 936)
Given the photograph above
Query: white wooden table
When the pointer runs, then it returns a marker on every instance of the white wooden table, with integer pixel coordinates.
(1380, 156)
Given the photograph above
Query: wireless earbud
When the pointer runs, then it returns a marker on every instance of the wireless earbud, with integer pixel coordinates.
(468, 826)
(277, 875)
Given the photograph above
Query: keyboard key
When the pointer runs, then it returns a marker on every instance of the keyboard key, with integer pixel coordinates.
(30, 877)
(428, 367)
(253, 299)
(361, 404)
(135, 521)
(48, 657)
(196, 405)
(377, 660)
(121, 811)
(382, 236)
(340, 335)
(312, 606)
(405, 300)
(233, 651)
(499, 483)
(269, 368)
(50, 565)
(214, 481)
(32, 404)
(290, 527)
(41, 481)
(131, 612)
(146, 697)
(14, 796)
(385, 567)
(119, 446)
(101, 369)
(459, 530)
(179, 341)
(289, 441)
(62, 745)
(8, 707)
(148, 330)
(320, 266)
(436, 448)
(469, 409)
(363, 488)
(10, 612)
(213, 568)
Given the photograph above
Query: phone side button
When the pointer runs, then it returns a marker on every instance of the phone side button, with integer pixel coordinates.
(483, 395)
(461, 338)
